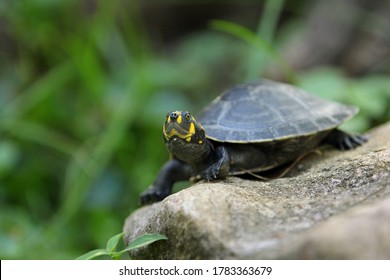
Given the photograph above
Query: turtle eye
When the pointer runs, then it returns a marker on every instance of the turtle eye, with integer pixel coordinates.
(188, 116)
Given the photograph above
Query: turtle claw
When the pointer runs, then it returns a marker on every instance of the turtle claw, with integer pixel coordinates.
(153, 194)
(352, 141)
(345, 141)
(210, 173)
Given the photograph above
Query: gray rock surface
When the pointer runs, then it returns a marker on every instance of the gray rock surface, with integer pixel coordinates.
(331, 206)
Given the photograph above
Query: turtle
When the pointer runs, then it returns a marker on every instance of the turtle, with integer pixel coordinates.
(250, 128)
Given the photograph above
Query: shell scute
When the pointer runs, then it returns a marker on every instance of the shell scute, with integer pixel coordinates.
(269, 111)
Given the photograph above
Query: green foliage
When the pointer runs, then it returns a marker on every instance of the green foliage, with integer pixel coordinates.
(74, 150)
(112, 244)
(266, 29)
(371, 94)
(262, 47)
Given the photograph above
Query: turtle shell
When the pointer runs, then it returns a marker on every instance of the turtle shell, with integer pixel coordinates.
(267, 111)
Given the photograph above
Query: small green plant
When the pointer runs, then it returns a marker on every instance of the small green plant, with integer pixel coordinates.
(112, 243)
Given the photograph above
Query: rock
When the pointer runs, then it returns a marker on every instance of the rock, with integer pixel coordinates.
(331, 206)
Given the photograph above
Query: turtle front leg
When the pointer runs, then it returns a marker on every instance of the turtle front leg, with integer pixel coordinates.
(345, 141)
(220, 168)
(171, 172)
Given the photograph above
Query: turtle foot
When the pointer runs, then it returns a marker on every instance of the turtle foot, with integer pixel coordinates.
(153, 194)
(345, 141)
(210, 173)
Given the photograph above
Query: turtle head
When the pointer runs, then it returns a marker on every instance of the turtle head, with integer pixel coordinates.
(182, 125)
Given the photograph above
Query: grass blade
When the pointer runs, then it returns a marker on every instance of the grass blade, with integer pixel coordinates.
(256, 41)
(49, 84)
(93, 254)
(113, 242)
(266, 30)
(143, 240)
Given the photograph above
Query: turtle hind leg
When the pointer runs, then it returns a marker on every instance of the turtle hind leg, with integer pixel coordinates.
(344, 141)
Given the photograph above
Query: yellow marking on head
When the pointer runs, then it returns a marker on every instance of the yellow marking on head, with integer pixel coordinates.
(192, 128)
(174, 132)
(164, 132)
(200, 142)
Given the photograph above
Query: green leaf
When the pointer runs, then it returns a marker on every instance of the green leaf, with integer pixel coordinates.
(93, 254)
(113, 242)
(326, 82)
(245, 34)
(143, 240)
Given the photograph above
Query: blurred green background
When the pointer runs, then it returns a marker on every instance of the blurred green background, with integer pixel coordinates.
(85, 86)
